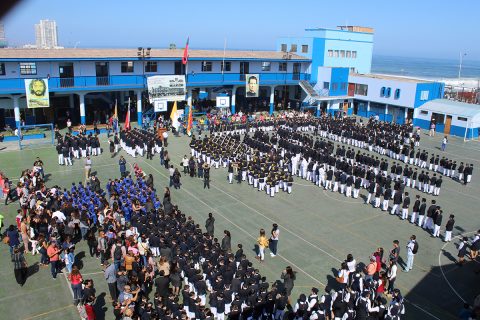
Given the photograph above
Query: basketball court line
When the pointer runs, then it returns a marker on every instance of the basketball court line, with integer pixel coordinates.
(48, 312)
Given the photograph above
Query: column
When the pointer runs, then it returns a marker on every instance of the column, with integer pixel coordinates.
(82, 107)
(272, 99)
(139, 108)
(368, 110)
(16, 110)
(385, 117)
(319, 104)
(189, 97)
(329, 106)
(234, 94)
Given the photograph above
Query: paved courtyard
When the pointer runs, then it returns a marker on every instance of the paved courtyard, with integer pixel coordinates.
(318, 230)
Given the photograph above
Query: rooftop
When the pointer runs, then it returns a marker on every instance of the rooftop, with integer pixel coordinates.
(389, 77)
(10, 53)
(452, 107)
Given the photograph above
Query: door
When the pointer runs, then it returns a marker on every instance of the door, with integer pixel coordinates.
(345, 107)
(351, 89)
(244, 69)
(448, 124)
(179, 68)
(101, 71)
(66, 73)
(296, 71)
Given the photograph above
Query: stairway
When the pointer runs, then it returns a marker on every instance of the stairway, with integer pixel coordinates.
(309, 90)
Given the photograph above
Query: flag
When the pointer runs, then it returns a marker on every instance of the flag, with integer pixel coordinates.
(185, 53)
(190, 120)
(115, 114)
(127, 117)
(173, 116)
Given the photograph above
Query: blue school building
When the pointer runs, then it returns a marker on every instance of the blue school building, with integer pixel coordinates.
(327, 69)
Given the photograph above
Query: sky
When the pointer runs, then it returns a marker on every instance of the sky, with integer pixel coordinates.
(411, 28)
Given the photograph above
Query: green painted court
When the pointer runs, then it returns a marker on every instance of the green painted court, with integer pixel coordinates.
(318, 230)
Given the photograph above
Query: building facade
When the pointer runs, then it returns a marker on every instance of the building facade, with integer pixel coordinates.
(46, 34)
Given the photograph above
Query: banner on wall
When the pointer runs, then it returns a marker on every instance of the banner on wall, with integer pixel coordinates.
(37, 93)
(252, 85)
(166, 88)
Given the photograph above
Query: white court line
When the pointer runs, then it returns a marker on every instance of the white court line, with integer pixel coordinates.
(441, 267)
(420, 308)
(240, 228)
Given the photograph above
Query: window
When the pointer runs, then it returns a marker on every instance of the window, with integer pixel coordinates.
(388, 92)
(206, 66)
(326, 85)
(424, 95)
(266, 66)
(349, 54)
(361, 89)
(28, 68)
(353, 70)
(282, 66)
(330, 53)
(334, 86)
(354, 54)
(397, 94)
(127, 66)
(283, 47)
(424, 112)
(462, 119)
(293, 48)
(226, 66)
(343, 86)
(304, 48)
(151, 66)
(2, 69)
(342, 53)
(382, 92)
(336, 53)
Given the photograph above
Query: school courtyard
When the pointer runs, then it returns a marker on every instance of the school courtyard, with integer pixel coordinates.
(318, 229)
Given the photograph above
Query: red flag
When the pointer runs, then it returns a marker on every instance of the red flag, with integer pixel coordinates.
(185, 53)
(190, 120)
(127, 119)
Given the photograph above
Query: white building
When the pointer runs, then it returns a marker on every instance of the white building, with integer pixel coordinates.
(46, 34)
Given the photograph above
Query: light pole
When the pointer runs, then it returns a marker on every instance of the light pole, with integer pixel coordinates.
(287, 56)
(142, 54)
(462, 54)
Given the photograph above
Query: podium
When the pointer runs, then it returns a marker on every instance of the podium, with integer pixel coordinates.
(160, 132)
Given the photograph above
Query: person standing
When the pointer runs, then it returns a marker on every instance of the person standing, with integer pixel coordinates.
(412, 248)
(288, 276)
(226, 241)
(392, 276)
(449, 228)
(437, 223)
(262, 243)
(53, 254)
(210, 224)
(76, 280)
(273, 244)
(88, 168)
(123, 166)
(38, 164)
(444, 143)
(111, 276)
(19, 266)
(206, 176)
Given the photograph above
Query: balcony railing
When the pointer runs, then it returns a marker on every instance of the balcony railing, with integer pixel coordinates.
(89, 83)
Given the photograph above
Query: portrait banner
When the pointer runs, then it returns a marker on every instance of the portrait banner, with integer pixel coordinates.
(166, 88)
(252, 85)
(37, 93)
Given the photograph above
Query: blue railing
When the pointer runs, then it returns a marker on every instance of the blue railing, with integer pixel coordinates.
(88, 83)
(17, 85)
(266, 78)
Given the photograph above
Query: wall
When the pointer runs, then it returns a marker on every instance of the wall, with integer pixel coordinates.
(407, 90)
(339, 77)
(362, 63)
(299, 41)
(435, 91)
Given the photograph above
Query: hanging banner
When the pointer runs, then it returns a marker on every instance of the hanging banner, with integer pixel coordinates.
(37, 93)
(166, 88)
(252, 85)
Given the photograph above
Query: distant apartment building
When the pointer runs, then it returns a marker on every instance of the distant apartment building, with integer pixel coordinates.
(3, 40)
(46, 36)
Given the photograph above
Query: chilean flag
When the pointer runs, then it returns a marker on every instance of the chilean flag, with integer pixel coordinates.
(185, 53)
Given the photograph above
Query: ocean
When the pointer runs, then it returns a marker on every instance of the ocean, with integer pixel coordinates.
(444, 70)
